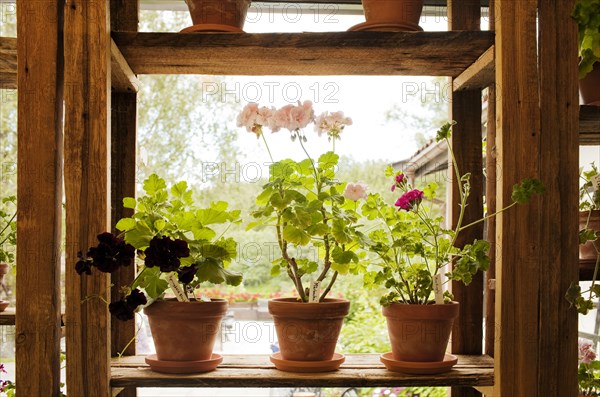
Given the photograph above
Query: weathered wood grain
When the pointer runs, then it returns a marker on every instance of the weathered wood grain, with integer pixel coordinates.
(558, 262)
(7, 317)
(87, 173)
(479, 75)
(122, 77)
(518, 230)
(257, 371)
(39, 208)
(340, 53)
(8, 63)
(466, 143)
(589, 125)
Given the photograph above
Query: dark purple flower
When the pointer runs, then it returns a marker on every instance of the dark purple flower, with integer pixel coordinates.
(136, 298)
(121, 310)
(2, 369)
(165, 253)
(409, 199)
(186, 274)
(108, 256)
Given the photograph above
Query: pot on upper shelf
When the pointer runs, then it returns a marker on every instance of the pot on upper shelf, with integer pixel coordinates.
(404, 14)
(184, 334)
(308, 331)
(217, 15)
(589, 87)
(420, 333)
(587, 251)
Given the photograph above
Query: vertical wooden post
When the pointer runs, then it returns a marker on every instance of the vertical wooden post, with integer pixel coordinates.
(559, 164)
(467, 335)
(490, 200)
(519, 231)
(40, 156)
(87, 176)
(123, 17)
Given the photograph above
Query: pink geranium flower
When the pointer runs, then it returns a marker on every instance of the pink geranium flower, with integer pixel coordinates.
(254, 119)
(399, 180)
(586, 351)
(410, 199)
(355, 191)
(332, 124)
(293, 117)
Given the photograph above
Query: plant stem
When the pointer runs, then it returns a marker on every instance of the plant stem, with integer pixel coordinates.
(308, 156)
(487, 217)
(331, 282)
(6, 227)
(267, 146)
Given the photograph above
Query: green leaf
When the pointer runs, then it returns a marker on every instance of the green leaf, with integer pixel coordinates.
(204, 233)
(151, 282)
(159, 224)
(523, 191)
(212, 270)
(154, 184)
(343, 257)
(328, 160)
(129, 202)
(340, 268)
(275, 271)
(179, 189)
(319, 229)
(445, 131)
(295, 235)
(125, 224)
(217, 213)
(140, 236)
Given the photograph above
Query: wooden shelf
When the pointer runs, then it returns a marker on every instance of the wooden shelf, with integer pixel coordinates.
(359, 370)
(7, 317)
(336, 53)
(589, 125)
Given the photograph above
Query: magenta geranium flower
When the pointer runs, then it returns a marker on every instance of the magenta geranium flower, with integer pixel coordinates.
(399, 179)
(409, 199)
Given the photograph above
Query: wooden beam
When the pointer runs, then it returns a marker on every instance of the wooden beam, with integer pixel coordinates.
(589, 125)
(466, 143)
(87, 173)
(558, 263)
(122, 77)
(359, 370)
(8, 63)
(39, 208)
(339, 53)
(7, 317)
(124, 15)
(479, 75)
(518, 230)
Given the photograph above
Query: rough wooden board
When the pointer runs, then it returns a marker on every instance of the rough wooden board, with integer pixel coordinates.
(8, 62)
(257, 371)
(7, 317)
(87, 173)
(479, 75)
(558, 262)
(340, 53)
(122, 78)
(589, 125)
(40, 156)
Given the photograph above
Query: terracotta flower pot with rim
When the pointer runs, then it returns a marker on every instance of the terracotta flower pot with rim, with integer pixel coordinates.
(587, 251)
(308, 331)
(407, 12)
(420, 332)
(589, 87)
(219, 12)
(185, 331)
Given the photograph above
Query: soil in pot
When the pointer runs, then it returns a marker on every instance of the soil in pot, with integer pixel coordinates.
(308, 331)
(587, 251)
(219, 12)
(400, 12)
(185, 331)
(589, 87)
(420, 332)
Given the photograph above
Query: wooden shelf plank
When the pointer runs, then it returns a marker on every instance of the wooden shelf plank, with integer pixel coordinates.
(8, 63)
(7, 317)
(589, 125)
(335, 53)
(123, 79)
(360, 370)
(479, 75)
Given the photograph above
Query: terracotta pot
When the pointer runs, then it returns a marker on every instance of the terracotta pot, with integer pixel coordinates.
(587, 252)
(308, 331)
(420, 332)
(185, 331)
(3, 271)
(219, 12)
(589, 87)
(393, 11)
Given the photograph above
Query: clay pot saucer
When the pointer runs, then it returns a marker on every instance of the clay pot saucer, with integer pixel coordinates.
(183, 367)
(385, 27)
(307, 366)
(3, 305)
(418, 368)
(212, 28)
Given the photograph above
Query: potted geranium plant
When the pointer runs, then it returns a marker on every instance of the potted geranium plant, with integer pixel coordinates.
(310, 212)
(391, 15)
(217, 15)
(8, 238)
(587, 15)
(414, 251)
(180, 249)
(588, 374)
